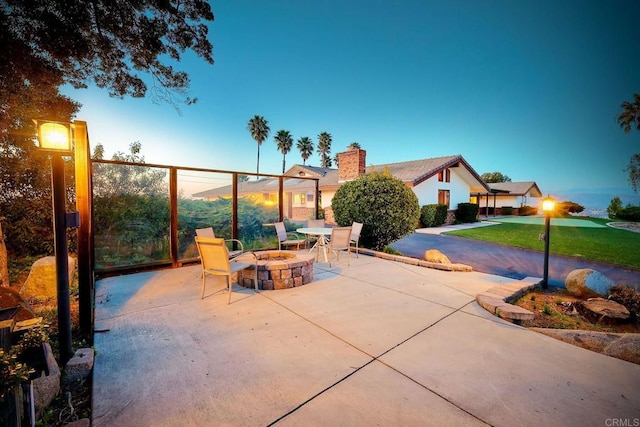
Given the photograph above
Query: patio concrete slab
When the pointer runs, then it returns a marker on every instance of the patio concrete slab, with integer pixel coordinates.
(376, 342)
(381, 396)
(199, 361)
(508, 375)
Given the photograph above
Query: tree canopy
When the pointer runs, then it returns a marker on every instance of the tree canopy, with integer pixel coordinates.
(258, 127)
(324, 149)
(125, 47)
(493, 177)
(108, 43)
(284, 141)
(305, 146)
(630, 115)
(628, 118)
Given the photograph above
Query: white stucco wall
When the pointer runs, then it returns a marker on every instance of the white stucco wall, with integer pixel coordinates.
(512, 201)
(325, 199)
(427, 191)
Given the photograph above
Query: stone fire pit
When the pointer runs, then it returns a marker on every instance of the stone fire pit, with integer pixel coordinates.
(278, 270)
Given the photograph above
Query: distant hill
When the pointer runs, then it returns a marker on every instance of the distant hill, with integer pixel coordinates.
(596, 201)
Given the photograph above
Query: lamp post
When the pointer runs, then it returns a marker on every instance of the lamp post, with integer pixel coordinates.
(54, 138)
(548, 205)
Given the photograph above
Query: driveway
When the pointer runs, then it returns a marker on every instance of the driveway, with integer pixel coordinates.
(507, 261)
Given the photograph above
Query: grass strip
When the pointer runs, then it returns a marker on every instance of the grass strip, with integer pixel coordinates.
(608, 245)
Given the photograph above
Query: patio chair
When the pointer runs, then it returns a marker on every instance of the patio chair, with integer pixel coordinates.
(283, 237)
(340, 241)
(208, 232)
(356, 229)
(214, 258)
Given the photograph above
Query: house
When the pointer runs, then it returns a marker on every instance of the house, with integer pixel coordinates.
(447, 180)
(509, 195)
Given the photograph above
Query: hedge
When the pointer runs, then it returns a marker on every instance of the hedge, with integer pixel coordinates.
(467, 212)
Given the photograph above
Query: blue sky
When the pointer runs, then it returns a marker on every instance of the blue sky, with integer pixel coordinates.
(527, 88)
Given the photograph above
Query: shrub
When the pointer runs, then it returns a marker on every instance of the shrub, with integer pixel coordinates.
(433, 215)
(569, 207)
(630, 213)
(614, 207)
(441, 214)
(12, 373)
(627, 296)
(467, 212)
(527, 210)
(388, 208)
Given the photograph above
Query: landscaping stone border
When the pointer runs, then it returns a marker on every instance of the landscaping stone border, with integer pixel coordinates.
(415, 261)
(497, 300)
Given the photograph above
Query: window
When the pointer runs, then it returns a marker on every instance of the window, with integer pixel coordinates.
(303, 198)
(443, 197)
(444, 175)
(300, 199)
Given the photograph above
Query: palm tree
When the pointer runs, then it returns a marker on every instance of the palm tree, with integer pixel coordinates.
(324, 149)
(305, 145)
(284, 141)
(259, 129)
(630, 115)
(354, 146)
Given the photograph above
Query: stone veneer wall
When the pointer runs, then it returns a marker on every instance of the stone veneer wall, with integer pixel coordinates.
(279, 274)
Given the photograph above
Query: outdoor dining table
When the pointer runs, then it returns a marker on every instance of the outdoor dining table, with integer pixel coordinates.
(322, 233)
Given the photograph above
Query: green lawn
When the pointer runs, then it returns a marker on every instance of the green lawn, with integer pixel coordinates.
(609, 245)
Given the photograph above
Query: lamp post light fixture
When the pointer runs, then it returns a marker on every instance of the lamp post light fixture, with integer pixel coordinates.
(548, 205)
(55, 138)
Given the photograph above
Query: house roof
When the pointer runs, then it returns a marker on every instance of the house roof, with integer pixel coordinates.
(517, 188)
(412, 173)
(266, 185)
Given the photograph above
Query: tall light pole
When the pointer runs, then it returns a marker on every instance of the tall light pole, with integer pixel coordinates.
(548, 204)
(54, 138)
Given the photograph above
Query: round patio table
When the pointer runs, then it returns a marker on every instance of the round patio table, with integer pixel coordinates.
(322, 233)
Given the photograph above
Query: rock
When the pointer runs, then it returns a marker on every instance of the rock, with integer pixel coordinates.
(627, 347)
(10, 298)
(587, 283)
(41, 283)
(621, 346)
(434, 255)
(591, 340)
(604, 309)
(46, 387)
(78, 367)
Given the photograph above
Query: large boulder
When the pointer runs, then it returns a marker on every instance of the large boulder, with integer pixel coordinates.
(434, 255)
(41, 283)
(588, 283)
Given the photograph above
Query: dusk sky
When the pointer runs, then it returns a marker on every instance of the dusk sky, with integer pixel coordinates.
(527, 88)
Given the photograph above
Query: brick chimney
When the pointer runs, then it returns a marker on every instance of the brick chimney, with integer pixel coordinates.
(351, 164)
